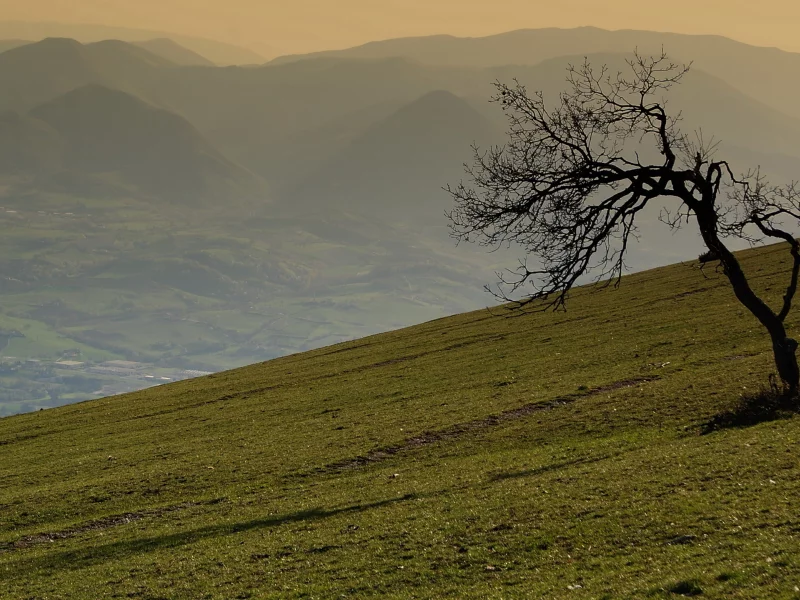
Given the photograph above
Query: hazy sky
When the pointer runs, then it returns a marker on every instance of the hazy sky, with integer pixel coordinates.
(305, 25)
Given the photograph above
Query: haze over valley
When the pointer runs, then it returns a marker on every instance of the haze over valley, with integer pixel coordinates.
(165, 216)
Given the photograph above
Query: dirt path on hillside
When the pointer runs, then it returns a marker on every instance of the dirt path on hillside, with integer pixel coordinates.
(454, 431)
(96, 525)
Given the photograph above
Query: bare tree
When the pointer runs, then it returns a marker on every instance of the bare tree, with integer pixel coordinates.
(569, 183)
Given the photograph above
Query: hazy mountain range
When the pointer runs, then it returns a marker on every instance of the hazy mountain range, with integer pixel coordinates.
(164, 209)
(108, 132)
(220, 53)
(741, 65)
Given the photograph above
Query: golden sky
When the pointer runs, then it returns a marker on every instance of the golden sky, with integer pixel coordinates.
(307, 25)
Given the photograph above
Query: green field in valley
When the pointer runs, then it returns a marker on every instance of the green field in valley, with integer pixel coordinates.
(477, 456)
(174, 289)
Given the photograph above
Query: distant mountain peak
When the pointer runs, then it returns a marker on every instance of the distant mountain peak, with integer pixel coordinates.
(438, 99)
(58, 42)
(35, 73)
(221, 53)
(111, 132)
(397, 166)
(436, 113)
(47, 45)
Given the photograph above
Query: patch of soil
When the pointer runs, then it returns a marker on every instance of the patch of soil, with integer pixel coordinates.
(96, 525)
(741, 356)
(432, 437)
(692, 292)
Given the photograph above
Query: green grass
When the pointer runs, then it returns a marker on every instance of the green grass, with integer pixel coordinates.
(477, 456)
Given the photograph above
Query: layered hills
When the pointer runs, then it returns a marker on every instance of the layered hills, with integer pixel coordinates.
(164, 47)
(708, 105)
(397, 166)
(95, 133)
(37, 73)
(220, 53)
(478, 456)
(107, 131)
(325, 103)
(742, 65)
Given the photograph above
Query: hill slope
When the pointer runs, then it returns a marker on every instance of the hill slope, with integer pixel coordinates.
(476, 456)
(174, 52)
(11, 44)
(109, 131)
(36, 73)
(28, 146)
(398, 166)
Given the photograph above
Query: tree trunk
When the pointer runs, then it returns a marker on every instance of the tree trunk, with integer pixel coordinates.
(786, 361)
(783, 347)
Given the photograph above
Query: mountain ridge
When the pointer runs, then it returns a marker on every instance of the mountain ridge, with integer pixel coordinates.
(221, 53)
(38, 72)
(173, 51)
(778, 86)
(108, 131)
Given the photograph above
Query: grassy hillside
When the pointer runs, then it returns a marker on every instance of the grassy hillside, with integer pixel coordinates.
(550, 455)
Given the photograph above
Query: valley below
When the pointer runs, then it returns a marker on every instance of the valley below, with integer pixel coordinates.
(88, 281)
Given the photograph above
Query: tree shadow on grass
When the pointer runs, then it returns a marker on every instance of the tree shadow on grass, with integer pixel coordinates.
(768, 404)
(548, 468)
(82, 557)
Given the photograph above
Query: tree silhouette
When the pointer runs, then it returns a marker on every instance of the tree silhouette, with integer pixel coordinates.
(570, 181)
